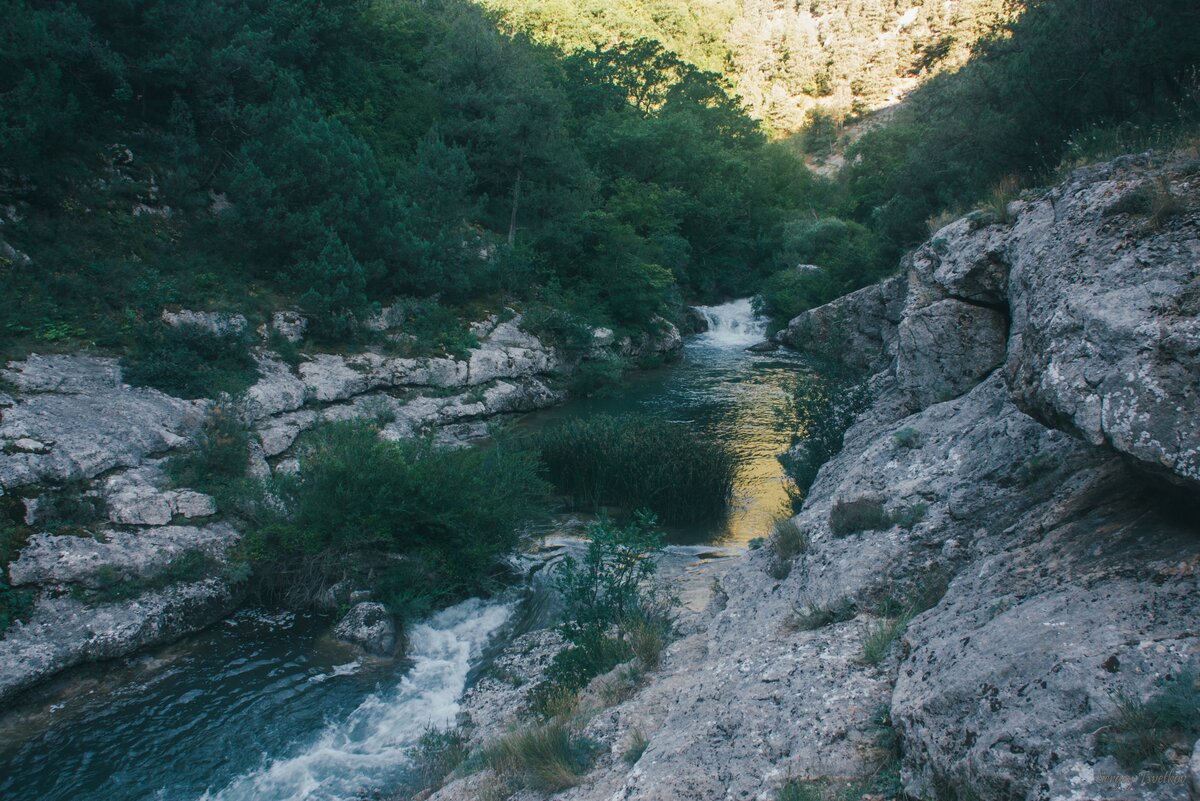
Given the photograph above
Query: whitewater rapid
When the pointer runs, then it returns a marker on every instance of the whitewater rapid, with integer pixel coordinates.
(731, 325)
(371, 745)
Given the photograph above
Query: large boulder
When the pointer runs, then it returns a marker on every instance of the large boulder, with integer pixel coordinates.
(858, 330)
(1106, 332)
(369, 626)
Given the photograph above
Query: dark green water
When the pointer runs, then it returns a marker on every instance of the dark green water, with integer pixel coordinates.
(266, 708)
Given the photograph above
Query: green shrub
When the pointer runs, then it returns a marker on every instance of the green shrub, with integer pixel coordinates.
(860, 514)
(221, 455)
(547, 758)
(190, 361)
(822, 405)
(638, 742)
(611, 611)
(796, 790)
(593, 375)
(14, 604)
(71, 509)
(1140, 731)
(909, 516)
(636, 462)
(191, 566)
(358, 501)
(787, 541)
(1034, 468)
(436, 755)
(1153, 200)
(907, 438)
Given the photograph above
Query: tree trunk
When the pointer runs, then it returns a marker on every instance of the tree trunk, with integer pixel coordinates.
(516, 201)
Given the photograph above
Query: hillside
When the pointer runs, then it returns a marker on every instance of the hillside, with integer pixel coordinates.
(791, 63)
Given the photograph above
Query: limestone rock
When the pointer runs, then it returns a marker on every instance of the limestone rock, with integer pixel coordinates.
(945, 348)
(370, 626)
(116, 556)
(222, 323)
(862, 325)
(290, 325)
(63, 632)
(277, 391)
(89, 422)
(1105, 321)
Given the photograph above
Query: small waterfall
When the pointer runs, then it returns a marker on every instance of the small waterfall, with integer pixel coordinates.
(371, 745)
(732, 325)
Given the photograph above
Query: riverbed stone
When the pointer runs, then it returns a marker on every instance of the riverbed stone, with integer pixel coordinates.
(370, 626)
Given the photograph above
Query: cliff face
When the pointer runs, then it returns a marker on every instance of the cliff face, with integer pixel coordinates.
(1030, 467)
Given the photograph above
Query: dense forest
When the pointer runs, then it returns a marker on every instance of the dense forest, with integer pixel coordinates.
(589, 163)
(340, 155)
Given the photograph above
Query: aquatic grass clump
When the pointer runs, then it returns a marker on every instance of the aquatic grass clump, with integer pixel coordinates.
(635, 462)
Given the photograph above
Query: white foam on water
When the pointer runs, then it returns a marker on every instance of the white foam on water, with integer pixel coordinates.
(373, 741)
(732, 325)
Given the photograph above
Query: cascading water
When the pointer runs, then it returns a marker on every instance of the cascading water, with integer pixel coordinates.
(731, 325)
(369, 748)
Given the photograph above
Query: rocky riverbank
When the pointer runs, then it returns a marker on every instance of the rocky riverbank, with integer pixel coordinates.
(1001, 559)
(73, 434)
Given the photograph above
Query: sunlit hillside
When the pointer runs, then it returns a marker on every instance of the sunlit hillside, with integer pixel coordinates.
(788, 60)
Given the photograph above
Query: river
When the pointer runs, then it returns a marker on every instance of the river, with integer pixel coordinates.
(267, 707)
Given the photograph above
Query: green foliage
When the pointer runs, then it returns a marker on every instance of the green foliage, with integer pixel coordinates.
(115, 586)
(335, 155)
(859, 514)
(796, 790)
(822, 405)
(14, 604)
(547, 758)
(637, 462)
(221, 455)
(909, 516)
(607, 588)
(1056, 71)
(638, 742)
(358, 499)
(907, 438)
(846, 254)
(437, 754)
(787, 541)
(190, 361)
(1141, 730)
(898, 610)
(70, 509)
(878, 638)
(1153, 200)
(611, 610)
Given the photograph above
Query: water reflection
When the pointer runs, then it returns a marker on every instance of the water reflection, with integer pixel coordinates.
(726, 392)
